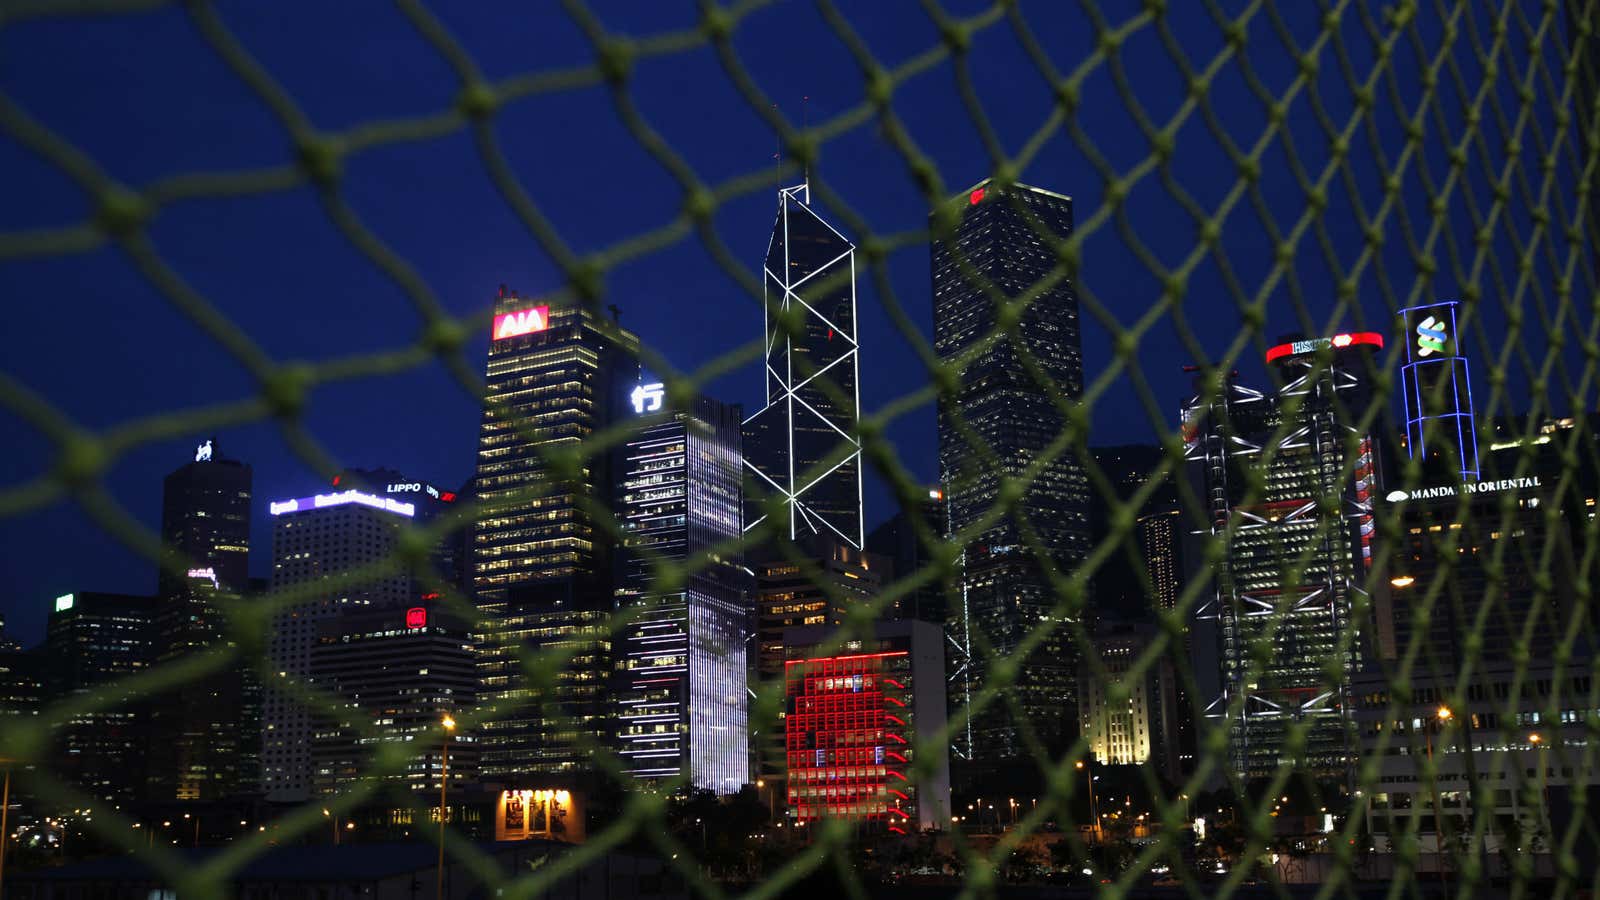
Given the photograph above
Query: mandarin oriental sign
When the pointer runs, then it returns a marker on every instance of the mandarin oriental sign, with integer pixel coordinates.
(1471, 487)
(523, 321)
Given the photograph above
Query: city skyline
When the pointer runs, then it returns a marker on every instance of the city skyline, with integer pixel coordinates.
(1082, 450)
(333, 303)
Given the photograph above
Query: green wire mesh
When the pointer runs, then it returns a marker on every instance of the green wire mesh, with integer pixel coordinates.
(1471, 163)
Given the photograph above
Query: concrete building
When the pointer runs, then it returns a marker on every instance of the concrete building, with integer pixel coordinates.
(394, 675)
(1143, 727)
(317, 543)
(1481, 751)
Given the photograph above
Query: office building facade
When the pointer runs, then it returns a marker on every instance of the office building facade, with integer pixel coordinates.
(859, 713)
(1003, 247)
(94, 642)
(393, 674)
(1289, 485)
(1140, 723)
(681, 710)
(541, 563)
(317, 542)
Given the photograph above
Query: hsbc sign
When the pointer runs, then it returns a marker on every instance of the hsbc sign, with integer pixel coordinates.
(523, 321)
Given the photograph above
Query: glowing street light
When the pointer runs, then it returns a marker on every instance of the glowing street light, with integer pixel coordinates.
(449, 724)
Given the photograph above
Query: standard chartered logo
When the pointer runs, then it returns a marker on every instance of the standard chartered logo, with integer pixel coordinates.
(1430, 337)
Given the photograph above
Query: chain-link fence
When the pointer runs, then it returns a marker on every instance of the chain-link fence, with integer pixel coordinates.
(1363, 655)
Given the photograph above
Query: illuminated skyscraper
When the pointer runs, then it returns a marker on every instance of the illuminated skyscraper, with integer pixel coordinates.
(316, 542)
(1289, 485)
(802, 445)
(541, 564)
(1004, 248)
(204, 735)
(680, 661)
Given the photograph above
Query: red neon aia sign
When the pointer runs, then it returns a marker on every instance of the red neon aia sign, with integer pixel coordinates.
(520, 322)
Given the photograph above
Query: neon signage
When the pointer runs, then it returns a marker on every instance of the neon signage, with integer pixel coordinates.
(1470, 487)
(1339, 341)
(64, 602)
(523, 321)
(975, 197)
(1430, 337)
(352, 496)
(647, 397)
(202, 453)
(417, 617)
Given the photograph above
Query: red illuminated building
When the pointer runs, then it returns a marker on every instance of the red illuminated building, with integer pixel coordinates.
(851, 727)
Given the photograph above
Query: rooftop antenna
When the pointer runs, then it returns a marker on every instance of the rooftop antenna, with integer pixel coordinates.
(805, 127)
(616, 314)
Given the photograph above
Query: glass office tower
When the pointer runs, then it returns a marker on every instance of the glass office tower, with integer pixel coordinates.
(1003, 251)
(681, 708)
(541, 562)
(802, 445)
(1290, 483)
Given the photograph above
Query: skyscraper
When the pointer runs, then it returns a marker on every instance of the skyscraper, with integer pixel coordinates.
(317, 542)
(802, 445)
(541, 563)
(94, 641)
(394, 674)
(680, 660)
(1003, 252)
(1289, 484)
(203, 734)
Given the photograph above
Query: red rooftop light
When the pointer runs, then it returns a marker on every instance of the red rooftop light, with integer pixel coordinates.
(975, 197)
(1340, 341)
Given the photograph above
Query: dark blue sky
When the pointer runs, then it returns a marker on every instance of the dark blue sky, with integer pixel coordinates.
(146, 98)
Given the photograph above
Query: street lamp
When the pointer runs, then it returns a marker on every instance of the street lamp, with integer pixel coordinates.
(444, 786)
(1442, 715)
(1094, 805)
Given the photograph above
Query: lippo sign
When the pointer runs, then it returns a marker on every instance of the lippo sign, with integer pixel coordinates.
(1471, 487)
(523, 321)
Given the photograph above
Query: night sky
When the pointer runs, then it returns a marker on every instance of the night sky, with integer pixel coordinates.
(146, 98)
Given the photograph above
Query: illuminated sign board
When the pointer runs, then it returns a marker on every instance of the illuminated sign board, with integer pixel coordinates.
(647, 397)
(1470, 487)
(64, 602)
(1338, 342)
(523, 321)
(417, 617)
(1431, 335)
(1430, 331)
(323, 500)
(202, 453)
(975, 197)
